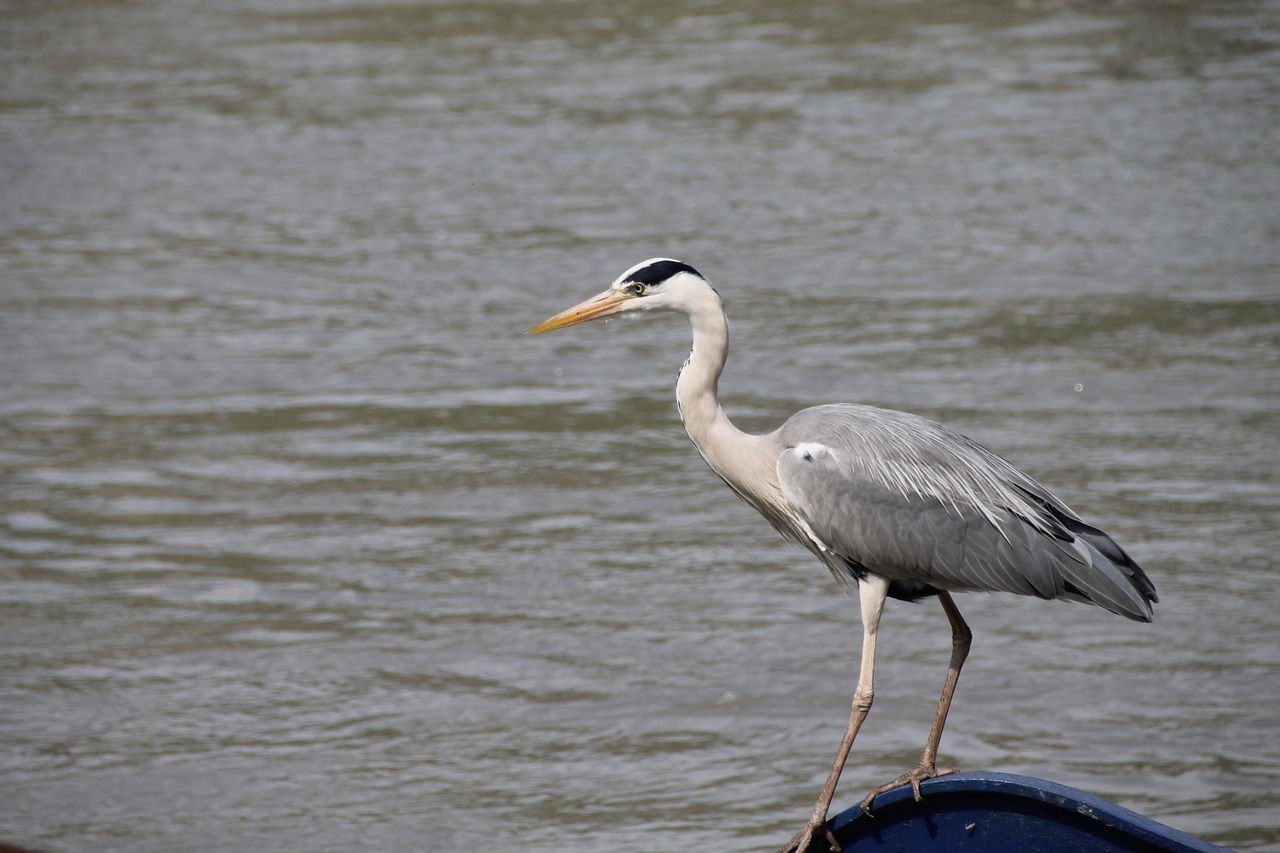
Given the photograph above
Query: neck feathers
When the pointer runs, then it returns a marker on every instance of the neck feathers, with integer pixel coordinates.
(722, 445)
(696, 389)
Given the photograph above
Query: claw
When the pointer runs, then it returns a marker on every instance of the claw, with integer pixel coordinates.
(913, 778)
(803, 840)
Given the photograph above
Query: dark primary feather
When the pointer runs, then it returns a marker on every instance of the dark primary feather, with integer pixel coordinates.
(921, 505)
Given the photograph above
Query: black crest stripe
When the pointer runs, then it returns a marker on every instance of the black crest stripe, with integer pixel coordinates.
(660, 271)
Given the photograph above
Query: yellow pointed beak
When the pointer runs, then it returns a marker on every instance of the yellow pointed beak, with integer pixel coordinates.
(601, 305)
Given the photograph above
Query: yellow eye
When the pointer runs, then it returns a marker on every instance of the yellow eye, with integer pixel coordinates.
(637, 288)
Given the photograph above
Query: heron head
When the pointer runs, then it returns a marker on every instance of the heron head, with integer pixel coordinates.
(655, 284)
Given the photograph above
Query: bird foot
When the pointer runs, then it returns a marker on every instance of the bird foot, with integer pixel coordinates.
(804, 840)
(912, 778)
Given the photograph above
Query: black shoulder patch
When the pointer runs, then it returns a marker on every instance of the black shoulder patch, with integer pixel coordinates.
(659, 271)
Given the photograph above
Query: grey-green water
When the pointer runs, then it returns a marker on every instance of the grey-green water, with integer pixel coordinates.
(304, 547)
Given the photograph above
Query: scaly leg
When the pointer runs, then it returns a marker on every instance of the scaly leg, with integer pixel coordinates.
(872, 592)
(961, 639)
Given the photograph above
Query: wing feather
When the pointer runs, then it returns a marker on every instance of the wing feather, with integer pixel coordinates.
(923, 506)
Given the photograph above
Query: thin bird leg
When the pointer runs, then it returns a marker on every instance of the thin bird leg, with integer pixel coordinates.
(872, 592)
(961, 640)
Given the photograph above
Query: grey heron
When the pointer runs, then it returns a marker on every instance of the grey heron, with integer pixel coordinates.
(902, 506)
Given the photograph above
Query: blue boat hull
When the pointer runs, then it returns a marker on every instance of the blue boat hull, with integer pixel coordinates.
(980, 812)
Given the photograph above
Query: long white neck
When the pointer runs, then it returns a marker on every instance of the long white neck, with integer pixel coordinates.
(748, 463)
(716, 438)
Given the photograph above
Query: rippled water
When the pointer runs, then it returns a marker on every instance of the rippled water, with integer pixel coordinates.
(304, 547)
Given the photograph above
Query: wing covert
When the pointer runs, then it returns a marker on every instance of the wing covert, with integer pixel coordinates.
(927, 523)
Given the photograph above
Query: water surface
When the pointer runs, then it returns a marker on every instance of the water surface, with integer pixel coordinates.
(304, 547)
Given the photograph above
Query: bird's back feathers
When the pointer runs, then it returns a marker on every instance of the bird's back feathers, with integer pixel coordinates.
(917, 503)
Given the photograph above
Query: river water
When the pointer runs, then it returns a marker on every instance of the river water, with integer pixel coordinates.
(303, 546)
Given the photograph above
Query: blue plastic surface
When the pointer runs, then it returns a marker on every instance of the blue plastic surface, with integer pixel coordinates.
(981, 812)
